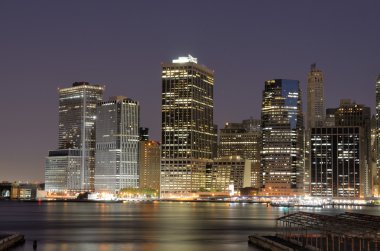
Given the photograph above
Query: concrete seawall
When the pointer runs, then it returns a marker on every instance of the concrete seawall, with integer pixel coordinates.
(11, 241)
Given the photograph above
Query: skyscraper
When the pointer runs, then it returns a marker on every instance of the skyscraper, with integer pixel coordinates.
(315, 114)
(282, 138)
(117, 145)
(373, 163)
(315, 98)
(244, 140)
(150, 156)
(378, 130)
(187, 126)
(76, 131)
(337, 161)
(352, 114)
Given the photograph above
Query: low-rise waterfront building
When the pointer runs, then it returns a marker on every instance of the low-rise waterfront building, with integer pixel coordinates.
(62, 171)
(20, 191)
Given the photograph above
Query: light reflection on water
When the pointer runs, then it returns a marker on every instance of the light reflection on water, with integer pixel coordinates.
(160, 226)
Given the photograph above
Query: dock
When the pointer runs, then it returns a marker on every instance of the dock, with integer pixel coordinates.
(10, 240)
(310, 231)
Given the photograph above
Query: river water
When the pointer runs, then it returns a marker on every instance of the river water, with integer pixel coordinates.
(166, 226)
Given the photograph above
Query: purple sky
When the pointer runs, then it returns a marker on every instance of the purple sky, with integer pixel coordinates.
(49, 44)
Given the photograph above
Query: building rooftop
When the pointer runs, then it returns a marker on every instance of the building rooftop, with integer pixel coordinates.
(187, 59)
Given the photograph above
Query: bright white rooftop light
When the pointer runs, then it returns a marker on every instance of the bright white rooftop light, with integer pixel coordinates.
(187, 59)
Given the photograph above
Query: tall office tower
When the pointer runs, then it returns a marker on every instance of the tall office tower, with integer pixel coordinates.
(150, 156)
(117, 145)
(378, 129)
(187, 126)
(315, 98)
(315, 114)
(352, 114)
(282, 138)
(76, 131)
(373, 164)
(337, 161)
(244, 140)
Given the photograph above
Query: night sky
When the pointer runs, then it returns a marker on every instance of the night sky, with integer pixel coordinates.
(49, 44)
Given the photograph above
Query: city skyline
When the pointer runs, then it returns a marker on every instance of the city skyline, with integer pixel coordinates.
(41, 56)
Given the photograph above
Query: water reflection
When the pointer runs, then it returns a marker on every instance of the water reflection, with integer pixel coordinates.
(143, 226)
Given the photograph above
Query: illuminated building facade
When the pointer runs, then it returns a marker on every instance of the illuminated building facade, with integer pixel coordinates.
(150, 156)
(373, 164)
(117, 145)
(282, 138)
(244, 140)
(188, 133)
(76, 131)
(241, 139)
(352, 114)
(337, 162)
(215, 142)
(228, 172)
(378, 130)
(315, 114)
(62, 170)
(315, 98)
